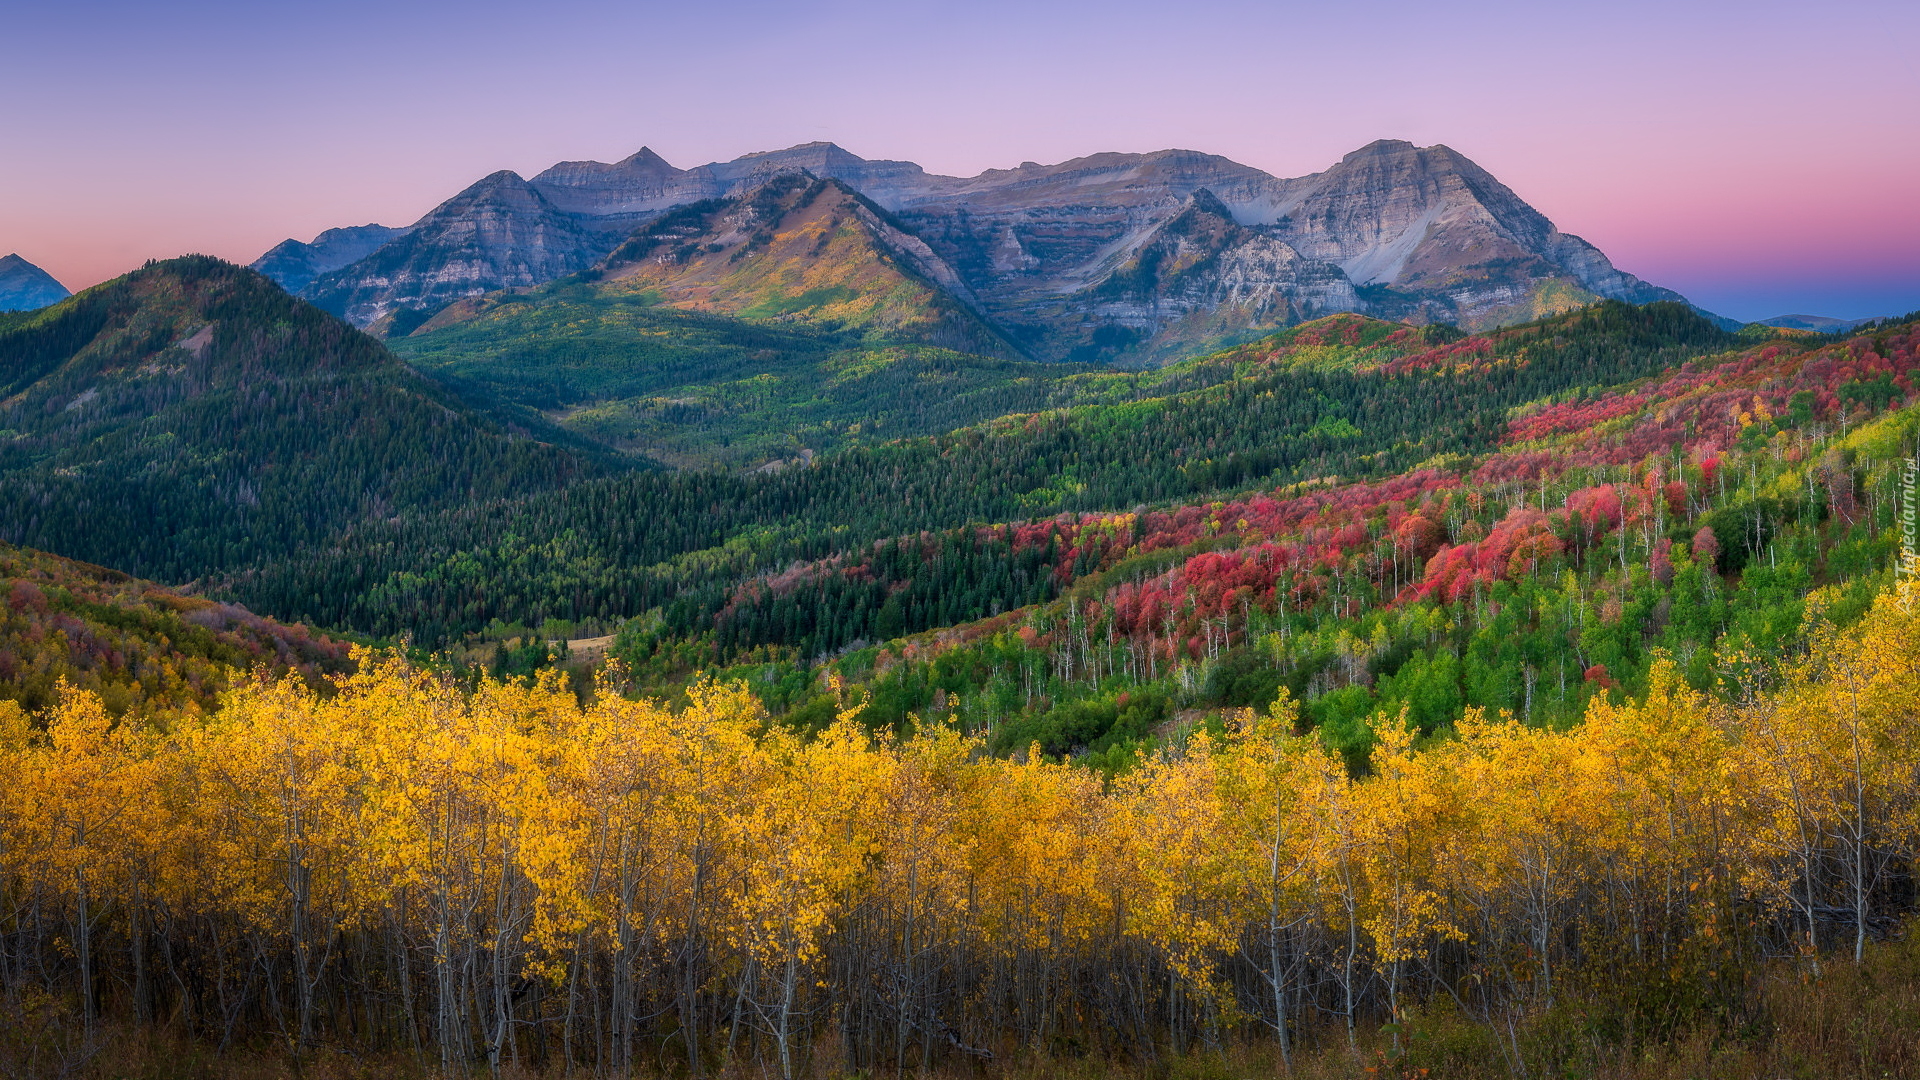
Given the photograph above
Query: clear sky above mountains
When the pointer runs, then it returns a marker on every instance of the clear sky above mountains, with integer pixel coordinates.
(1759, 157)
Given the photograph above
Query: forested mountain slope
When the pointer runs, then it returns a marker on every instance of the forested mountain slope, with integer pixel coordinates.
(695, 390)
(1352, 397)
(191, 417)
(1703, 514)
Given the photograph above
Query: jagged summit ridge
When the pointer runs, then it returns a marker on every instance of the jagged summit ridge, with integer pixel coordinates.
(1393, 228)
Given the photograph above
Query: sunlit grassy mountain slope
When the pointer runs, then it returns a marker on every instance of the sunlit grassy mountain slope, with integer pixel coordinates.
(191, 418)
(806, 249)
(1350, 397)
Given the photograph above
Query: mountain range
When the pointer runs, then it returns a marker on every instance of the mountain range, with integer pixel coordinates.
(26, 287)
(1143, 255)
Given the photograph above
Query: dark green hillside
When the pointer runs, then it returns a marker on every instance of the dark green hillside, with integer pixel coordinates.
(693, 388)
(619, 547)
(191, 418)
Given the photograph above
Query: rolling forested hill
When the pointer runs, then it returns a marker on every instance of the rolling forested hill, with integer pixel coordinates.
(697, 389)
(192, 418)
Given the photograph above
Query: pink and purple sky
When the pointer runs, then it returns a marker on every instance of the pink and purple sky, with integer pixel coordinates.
(1763, 158)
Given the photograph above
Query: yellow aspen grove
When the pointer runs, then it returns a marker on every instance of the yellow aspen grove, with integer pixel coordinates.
(513, 877)
(1839, 747)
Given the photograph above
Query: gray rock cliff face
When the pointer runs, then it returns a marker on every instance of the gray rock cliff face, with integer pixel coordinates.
(1393, 229)
(294, 264)
(1428, 220)
(26, 287)
(501, 233)
(1198, 277)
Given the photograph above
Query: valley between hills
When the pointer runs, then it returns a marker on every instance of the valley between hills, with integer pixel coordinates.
(1133, 610)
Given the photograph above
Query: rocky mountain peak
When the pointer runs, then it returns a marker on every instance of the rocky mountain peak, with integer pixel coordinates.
(493, 184)
(501, 232)
(640, 166)
(820, 151)
(889, 183)
(1433, 226)
(625, 192)
(645, 159)
(1382, 148)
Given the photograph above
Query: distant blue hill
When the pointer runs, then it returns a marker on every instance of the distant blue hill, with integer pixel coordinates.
(24, 286)
(1823, 324)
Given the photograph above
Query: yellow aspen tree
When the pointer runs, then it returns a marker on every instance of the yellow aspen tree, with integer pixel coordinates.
(1265, 775)
(89, 795)
(286, 774)
(724, 774)
(1168, 813)
(915, 902)
(1034, 830)
(1337, 880)
(807, 842)
(1406, 817)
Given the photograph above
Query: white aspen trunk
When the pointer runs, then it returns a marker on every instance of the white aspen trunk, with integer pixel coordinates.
(783, 1030)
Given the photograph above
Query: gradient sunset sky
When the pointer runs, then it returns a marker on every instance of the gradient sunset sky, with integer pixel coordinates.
(1762, 158)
